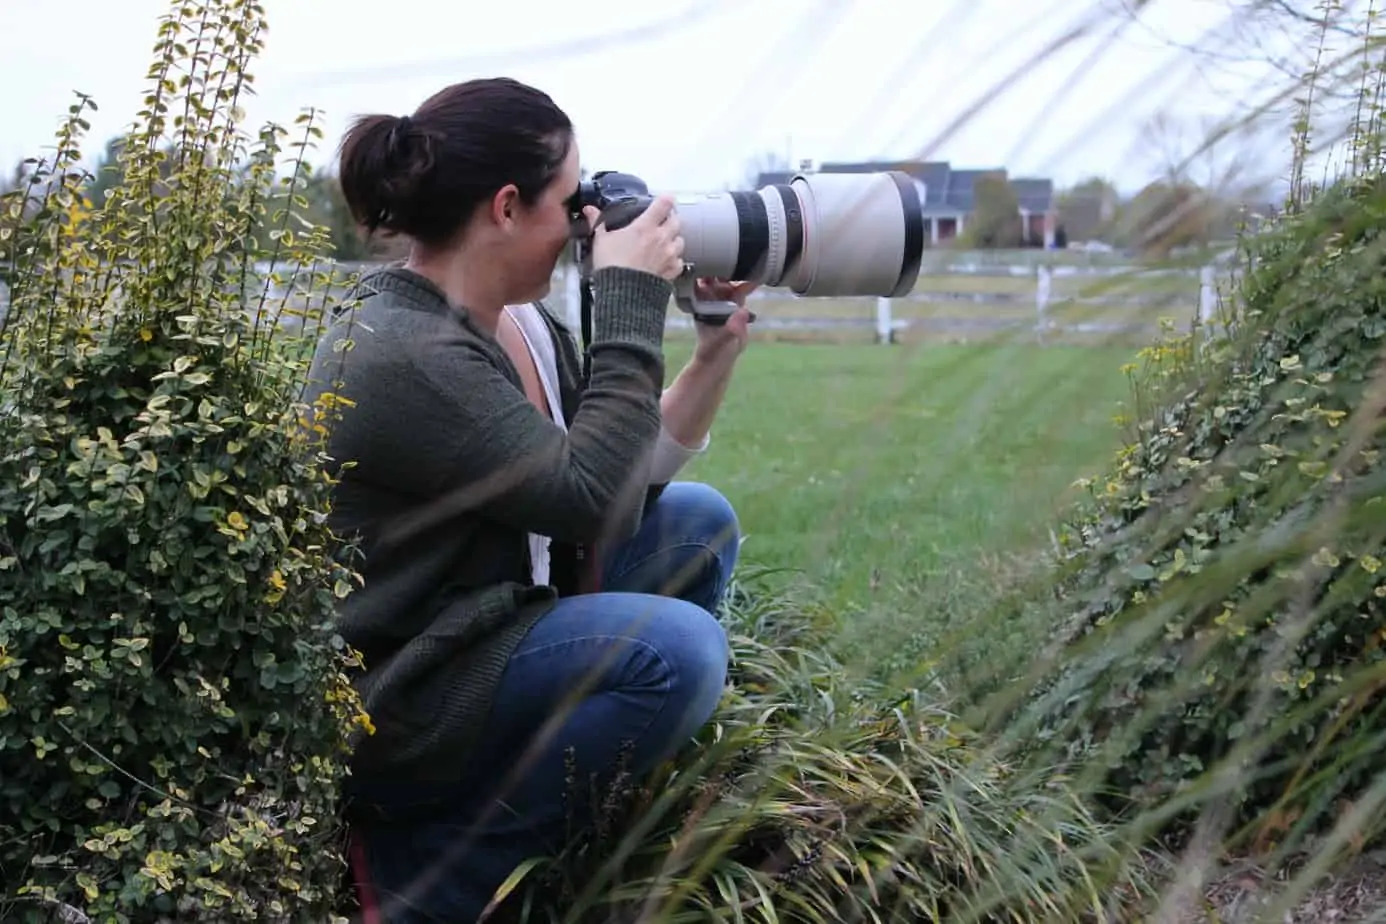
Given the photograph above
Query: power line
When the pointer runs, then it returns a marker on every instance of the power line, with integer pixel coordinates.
(1088, 61)
(956, 16)
(1156, 80)
(697, 12)
(813, 27)
(1078, 31)
(798, 45)
(1020, 30)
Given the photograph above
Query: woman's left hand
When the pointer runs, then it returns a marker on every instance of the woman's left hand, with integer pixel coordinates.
(724, 342)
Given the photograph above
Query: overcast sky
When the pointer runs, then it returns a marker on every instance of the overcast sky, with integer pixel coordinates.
(699, 88)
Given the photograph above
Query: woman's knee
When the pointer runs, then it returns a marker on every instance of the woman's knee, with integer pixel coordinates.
(687, 548)
(703, 513)
(648, 665)
(693, 642)
(665, 669)
(694, 648)
(702, 516)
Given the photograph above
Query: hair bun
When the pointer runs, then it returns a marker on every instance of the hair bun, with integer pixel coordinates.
(399, 135)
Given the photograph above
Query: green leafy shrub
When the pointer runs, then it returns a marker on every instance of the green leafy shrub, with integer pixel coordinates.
(1221, 617)
(812, 801)
(174, 710)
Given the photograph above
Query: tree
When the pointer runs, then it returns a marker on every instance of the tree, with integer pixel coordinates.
(327, 207)
(1088, 210)
(15, 184)
(995, 220)
(16, 178)
(109, 171)
(1168, 215)
(320, 201)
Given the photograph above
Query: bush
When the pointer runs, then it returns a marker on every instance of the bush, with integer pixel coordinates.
(1224, 604)
(809, 802)
(173, 700)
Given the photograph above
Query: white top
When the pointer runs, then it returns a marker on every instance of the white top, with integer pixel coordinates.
(669, 454)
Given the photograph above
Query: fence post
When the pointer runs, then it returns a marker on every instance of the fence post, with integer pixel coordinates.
(1207, 296)
(885, 323)
(1042, 283)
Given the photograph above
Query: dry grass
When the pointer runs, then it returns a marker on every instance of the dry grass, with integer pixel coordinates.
(1243, 893)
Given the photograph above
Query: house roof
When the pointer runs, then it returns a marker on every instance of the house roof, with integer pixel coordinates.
(962, 187)
(947, 191)
(1035, 195)
(774, 178)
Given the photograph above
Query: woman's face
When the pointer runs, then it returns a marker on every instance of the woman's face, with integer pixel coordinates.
(541, 232)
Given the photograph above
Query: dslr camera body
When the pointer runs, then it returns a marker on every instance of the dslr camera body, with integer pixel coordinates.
(820, 234)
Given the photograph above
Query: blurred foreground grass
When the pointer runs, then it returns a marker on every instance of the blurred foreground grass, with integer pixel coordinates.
(914, 484)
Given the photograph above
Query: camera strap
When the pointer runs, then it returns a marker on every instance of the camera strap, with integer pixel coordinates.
(585, 313)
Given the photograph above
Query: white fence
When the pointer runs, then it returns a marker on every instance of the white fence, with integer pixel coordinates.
(889, 317)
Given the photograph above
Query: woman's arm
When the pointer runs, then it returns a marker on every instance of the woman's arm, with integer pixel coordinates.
(458, 431)
(690, 403)
(688, 407)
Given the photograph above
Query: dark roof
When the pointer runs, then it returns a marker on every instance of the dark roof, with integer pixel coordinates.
(774, 178)
(962, 185)
(947, 191)
(1035, 195)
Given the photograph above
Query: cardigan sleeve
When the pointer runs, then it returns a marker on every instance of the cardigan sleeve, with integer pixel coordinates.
(452, 425)
(670, 456)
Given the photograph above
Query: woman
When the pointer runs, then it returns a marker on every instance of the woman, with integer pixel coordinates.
(486, 487)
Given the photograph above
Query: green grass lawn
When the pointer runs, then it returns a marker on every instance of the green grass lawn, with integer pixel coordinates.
(897, 479)
(959, 282)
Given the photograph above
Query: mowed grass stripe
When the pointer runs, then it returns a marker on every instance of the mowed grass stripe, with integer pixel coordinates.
(872, 468)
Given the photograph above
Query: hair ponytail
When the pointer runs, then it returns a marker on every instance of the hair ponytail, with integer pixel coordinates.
(374, 167)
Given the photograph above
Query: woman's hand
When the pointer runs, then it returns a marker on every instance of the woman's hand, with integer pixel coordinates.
(723, 343)
(653, 242)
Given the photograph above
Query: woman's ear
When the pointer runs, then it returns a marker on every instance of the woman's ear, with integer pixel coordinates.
(504, 204)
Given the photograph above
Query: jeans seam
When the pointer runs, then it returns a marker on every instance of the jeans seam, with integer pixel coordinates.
(701, 544)
(524, 653)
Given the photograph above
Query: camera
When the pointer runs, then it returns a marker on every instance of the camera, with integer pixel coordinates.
(820, 234)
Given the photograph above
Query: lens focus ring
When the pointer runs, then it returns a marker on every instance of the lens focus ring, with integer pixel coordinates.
(753, 227)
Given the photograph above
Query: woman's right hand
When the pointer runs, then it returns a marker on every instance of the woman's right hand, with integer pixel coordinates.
(652, 242)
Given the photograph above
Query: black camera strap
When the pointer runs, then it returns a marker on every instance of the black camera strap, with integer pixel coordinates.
(585, 311)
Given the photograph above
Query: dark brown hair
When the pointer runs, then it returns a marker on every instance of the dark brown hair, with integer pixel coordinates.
(424, 175)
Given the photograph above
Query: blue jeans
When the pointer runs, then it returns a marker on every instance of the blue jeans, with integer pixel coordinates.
(628, 674)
